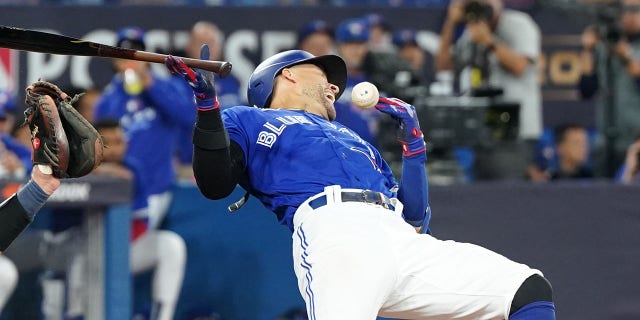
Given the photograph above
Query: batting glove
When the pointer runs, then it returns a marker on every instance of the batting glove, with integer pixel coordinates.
(200, 81)
(410, 136)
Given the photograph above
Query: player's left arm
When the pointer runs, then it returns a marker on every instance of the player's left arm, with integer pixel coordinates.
(17, 211)
(413, 191)
(218, 162)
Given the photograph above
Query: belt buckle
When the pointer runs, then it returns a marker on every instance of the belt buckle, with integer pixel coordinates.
(379, 201)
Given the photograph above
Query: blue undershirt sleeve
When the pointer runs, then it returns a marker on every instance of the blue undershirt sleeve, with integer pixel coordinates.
(414, 192)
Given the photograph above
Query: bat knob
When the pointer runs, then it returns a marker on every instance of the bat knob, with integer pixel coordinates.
(224, 69)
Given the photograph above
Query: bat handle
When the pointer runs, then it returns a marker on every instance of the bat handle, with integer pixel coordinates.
(222, 68)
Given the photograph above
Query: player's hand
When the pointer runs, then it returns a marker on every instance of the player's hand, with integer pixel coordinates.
(411, 136)
(200, 81)
(46, 181)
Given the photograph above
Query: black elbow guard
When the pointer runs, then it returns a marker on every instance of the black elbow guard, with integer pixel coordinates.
(13, 219)
(210, 139)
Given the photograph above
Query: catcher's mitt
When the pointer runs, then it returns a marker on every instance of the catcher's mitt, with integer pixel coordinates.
(75, 143)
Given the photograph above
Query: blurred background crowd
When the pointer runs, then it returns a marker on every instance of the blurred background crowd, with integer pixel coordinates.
(479, 76)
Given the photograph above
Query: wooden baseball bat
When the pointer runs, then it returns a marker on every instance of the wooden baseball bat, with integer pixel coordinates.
(38, 41)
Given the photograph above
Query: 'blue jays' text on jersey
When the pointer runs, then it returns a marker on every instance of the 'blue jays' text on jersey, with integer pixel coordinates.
(292, 155)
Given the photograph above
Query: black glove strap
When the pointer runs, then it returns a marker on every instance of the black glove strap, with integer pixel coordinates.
(13, 219)
(210, 140)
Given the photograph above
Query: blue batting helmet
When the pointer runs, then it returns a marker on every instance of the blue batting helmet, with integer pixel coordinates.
(262, 78)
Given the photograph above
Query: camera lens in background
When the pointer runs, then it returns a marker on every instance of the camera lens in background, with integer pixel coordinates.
(608, 19)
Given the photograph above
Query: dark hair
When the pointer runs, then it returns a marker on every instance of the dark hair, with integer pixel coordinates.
(560, 132)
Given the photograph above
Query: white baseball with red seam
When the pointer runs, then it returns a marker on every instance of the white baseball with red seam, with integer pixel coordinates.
(365, 95)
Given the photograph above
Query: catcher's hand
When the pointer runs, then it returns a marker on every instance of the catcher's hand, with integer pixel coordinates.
(60, 136)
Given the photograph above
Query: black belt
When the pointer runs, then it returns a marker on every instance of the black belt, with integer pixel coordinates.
(366, 196)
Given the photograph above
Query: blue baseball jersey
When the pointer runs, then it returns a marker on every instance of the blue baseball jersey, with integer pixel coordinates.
(151, 122)
(292, 155)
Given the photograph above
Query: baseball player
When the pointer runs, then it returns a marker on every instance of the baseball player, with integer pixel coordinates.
(356, 251)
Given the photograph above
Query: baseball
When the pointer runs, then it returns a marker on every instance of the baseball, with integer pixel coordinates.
(365, 95)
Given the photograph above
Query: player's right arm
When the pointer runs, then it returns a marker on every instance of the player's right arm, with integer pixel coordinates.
(218, 163)
(413, 190)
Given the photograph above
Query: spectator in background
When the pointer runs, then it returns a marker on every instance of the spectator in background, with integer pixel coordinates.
(611, 68)
(388, 72)
(152, 113)
(507, 45)
(15, 158)
(629, 172)
(22, 135)
(352, 37)
(317, 38)
(161, 250)
(413, 54)
(8, 104)
(568, 158)
(203, 32)
(379, 33)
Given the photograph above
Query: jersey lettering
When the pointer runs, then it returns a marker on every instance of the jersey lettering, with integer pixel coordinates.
(294, 120)
(266, 139)
(276, 130)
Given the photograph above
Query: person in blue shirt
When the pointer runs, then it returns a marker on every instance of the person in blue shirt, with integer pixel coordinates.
(562, 154)
(351, 37)
(361, 240)
(151, 114)
(15, 158)
(228, 88)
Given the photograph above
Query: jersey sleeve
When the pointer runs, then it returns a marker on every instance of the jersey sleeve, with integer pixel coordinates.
(236, 128)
